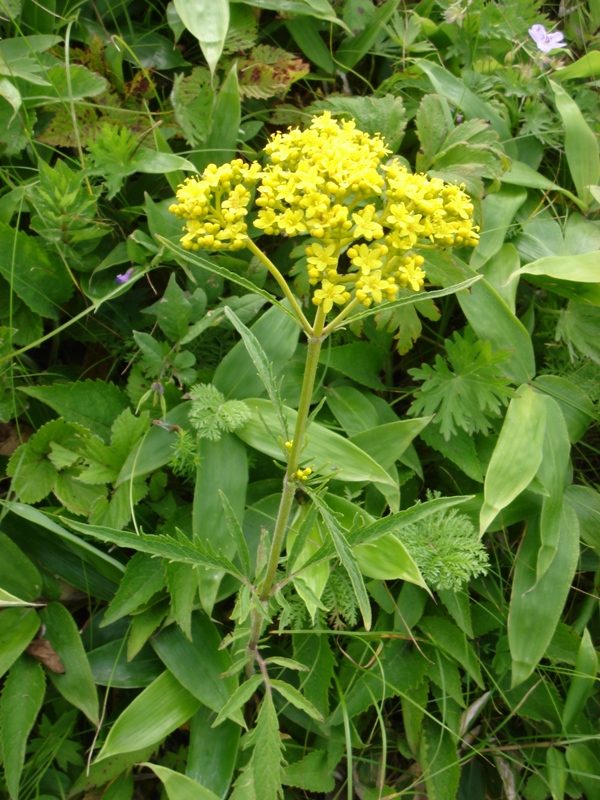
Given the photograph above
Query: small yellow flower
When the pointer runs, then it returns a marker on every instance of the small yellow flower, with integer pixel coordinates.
(330, 293)
(303, 474)
(367, 258)
(366, 224)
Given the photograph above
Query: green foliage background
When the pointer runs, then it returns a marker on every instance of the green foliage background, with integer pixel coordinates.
(434, 627)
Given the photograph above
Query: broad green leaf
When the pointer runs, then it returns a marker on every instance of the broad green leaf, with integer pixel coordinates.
(18, 574)
(400, 668)
(348, 559)
(77, 684)
(213, 751)
(360, 361)
(499, 209)
(314, 652)
(453, 642)
(144, 576)
(328, 451)
(180, 787)
(198, 664)
(221, 142)
(439, 761)
(499, 272)
(21, 701)
(311, 773)
(585, 768)
(354, 48)
(35, 273)
(584, 267)
(18, 626)
(352, 409)
(156, 448)
(81, 83)
(583, 680)
(222, 467)
(276, 335)
(208, 20)
(387, 443)
(93, 404)
(110, 666)
(536, 605)
(581, 146)
(305, 32)
(577, 408)
(457, 603)
(460, 449)
(588, 66)
(553, 473)
(313, 8)
(101, 773)
(413, 711)
(386, 559)
(293, 696)
(384, 115)
(521, 174)
(585, 502)
(493, 321)
(68, 556)
(455, 91)
(150, 717)
(557, 770)
(10, 92)
(517, 455)
(182, 585)
(268, 752)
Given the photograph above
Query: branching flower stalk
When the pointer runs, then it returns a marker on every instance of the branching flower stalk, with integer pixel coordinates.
(366, 217)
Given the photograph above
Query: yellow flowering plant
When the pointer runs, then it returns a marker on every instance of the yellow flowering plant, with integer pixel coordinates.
(367, 221)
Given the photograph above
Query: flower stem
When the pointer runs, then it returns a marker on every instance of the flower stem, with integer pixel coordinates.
(256, 251)
(290, 482)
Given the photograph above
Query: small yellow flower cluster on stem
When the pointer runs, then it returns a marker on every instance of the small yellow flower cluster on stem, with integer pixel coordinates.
(367, 218)
(215, 206)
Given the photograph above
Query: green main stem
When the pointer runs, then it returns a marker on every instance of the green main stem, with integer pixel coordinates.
(290, 482)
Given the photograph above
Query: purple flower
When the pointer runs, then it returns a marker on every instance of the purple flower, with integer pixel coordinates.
(125, 276)
(546, 41)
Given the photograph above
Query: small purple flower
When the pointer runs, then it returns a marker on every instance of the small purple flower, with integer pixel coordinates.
(157, 387)
(126, 276)
(546, 41)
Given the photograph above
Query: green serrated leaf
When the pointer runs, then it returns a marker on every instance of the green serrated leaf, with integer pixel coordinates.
(293, 696)
(467, 394)
(268, 753)
(93, 404)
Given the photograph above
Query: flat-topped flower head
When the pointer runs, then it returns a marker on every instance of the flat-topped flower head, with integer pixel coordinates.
(365, 215)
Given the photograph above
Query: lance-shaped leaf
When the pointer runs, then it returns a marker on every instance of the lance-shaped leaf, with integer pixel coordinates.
(517, 455)
(164, 546)
(325, 450)
(583, 680)
(208, 20)
(536, 605)
(153, 714)
(178, 786)
(347, 558)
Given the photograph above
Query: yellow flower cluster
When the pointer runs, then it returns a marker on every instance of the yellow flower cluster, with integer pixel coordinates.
(366, 217)
(215, 206)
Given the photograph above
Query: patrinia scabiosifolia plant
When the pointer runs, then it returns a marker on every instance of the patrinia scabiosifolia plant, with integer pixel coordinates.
(366, 219)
